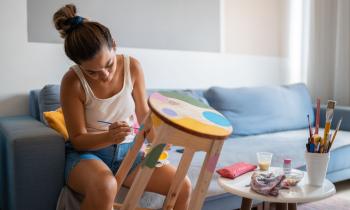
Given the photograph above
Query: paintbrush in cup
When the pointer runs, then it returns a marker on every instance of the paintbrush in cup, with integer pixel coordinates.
(329, 117)
(334, 135)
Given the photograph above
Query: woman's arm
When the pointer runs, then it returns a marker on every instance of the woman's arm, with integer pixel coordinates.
(139, 92)
(72, 102)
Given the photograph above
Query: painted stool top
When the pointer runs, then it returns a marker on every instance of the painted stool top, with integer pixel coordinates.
(190, 115)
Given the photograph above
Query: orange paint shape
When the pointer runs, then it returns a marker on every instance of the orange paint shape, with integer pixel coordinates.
(156, 121)
(198, 126)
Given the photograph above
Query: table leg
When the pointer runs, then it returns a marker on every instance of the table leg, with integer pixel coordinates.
(246, 204)
(266, 205)
(281, 206)
(260, 206)
(292, 206)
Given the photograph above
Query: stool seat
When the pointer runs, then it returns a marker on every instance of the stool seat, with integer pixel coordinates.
(189, 115)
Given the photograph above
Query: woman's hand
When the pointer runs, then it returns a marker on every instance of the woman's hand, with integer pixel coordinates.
(118, 131)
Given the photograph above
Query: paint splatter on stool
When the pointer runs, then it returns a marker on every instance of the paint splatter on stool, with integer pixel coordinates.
(189, 114)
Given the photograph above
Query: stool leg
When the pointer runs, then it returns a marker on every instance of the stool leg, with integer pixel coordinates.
(267, 205)
(292, 206)
(178, 179)
(205, 175)
(131, 155)
(281, 206)
(144, 174)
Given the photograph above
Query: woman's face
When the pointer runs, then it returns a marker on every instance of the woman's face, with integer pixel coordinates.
(102, 66)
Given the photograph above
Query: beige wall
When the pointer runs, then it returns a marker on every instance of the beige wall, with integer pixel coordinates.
(25, 66)
(255, 27)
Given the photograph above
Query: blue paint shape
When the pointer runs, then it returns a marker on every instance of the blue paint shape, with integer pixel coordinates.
(180, 150)
(169, 112)
(216, 118)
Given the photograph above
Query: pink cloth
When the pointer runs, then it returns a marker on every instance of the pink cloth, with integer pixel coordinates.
(266, 184)
(235, 170)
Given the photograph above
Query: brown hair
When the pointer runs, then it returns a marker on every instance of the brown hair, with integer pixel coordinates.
(83, 39)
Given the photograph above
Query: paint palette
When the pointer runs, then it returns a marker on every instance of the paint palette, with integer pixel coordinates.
(189, 114)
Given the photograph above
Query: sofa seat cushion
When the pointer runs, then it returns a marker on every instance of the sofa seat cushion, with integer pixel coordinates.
(287, 144)
(257, 110)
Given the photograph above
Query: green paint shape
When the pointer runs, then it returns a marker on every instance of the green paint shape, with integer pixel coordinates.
(152, 158)
(186, 98)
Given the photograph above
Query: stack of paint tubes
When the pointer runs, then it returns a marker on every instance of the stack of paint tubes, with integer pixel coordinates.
(316, 142)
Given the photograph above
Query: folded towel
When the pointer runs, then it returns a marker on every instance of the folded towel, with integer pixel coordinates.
(235, 170)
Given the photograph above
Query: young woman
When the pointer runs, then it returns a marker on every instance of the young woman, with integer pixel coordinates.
(102, 86)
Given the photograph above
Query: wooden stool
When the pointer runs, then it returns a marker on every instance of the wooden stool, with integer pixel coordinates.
(182, 121)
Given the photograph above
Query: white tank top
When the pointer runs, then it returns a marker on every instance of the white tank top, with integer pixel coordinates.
(119, 107)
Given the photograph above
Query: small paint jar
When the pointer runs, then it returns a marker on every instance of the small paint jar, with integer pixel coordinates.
(287, 166)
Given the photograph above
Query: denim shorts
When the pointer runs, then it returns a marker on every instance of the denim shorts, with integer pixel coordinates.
(112, 156)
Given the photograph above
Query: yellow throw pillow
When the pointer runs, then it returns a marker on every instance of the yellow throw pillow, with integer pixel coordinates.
(55, 119)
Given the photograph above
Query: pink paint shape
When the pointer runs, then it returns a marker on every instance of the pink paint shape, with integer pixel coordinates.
(211, 164)
(173, 103)
(143, 147)
(159, 97)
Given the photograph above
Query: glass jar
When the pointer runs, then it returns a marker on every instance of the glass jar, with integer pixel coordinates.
(287, 166)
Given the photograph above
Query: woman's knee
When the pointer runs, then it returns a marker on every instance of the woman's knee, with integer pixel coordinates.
(104, 189)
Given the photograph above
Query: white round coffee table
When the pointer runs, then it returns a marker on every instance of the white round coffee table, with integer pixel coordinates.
(301, 193)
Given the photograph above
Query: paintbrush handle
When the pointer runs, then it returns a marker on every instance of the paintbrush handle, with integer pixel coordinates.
(109, 123)
(336, 130)
(335, 133)
(101, 121)
(318, 110)
(310, 129)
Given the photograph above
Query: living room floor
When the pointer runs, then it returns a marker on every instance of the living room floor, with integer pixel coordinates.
(343, 189)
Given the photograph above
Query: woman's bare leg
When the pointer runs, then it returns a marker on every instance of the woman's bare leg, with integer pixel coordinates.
(95, 181)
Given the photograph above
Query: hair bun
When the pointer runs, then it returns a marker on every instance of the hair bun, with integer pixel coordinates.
(62, 19)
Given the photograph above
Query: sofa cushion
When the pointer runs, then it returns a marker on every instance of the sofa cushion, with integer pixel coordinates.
(49, 99)
(55, 120)
(34, 104)
(257, 110)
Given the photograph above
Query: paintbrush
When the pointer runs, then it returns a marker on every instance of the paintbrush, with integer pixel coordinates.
(310, 129)
(329, 117)
(109, 123)
(335, 133)
(318, 109)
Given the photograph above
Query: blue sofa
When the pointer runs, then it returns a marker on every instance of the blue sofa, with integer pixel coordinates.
(271, 118)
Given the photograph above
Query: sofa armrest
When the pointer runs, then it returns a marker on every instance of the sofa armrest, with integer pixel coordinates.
(340, 111)
(32, 164)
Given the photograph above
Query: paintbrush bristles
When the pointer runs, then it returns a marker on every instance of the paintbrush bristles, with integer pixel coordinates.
(331, 104)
